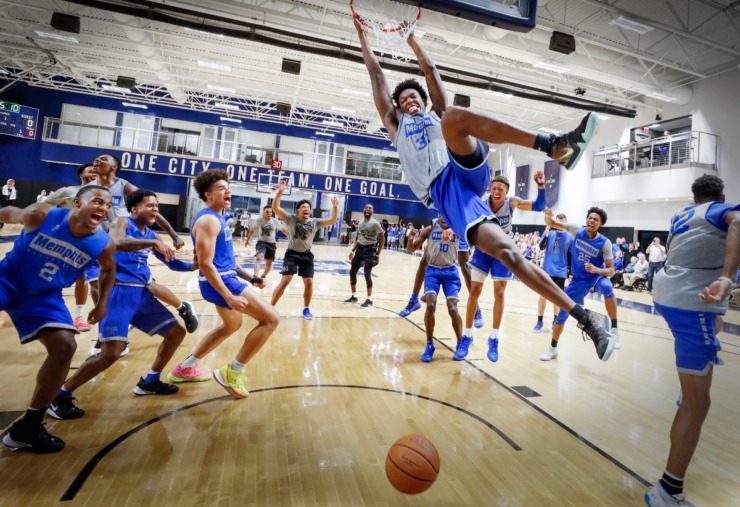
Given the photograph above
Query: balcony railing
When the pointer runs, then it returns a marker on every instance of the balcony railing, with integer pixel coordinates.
(206, 147)
(681, 150)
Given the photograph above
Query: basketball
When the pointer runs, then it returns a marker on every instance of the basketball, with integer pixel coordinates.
(412, 464)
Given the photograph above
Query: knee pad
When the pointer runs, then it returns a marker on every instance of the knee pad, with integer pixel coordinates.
(562, 317)
(368, 278)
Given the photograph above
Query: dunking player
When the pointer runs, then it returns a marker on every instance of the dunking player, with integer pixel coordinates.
(556, 245)
(592, 266)
(482, 264)
(53, 249)
(446, 165)
(298, 257)
(703, 259)
(64, 198)
(366, 253)
(105, 167)
(441, 271)
(266, 244)
(219, 285)
(130, 303)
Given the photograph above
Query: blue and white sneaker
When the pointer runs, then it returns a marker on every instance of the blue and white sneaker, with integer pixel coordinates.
(307, 314)
(538, 327)
(492, 349)
(426, 357)
(573, 144)
(478, 321)
(463, 348)
(410, 308)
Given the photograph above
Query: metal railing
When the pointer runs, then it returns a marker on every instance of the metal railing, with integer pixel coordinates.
(681, 150)
(206, 147)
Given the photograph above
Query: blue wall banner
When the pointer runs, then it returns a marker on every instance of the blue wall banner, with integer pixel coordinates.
(521, 185)
(168, 165)
(552, 182)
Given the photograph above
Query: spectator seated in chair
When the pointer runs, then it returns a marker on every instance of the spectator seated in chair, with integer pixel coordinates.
(639, 272)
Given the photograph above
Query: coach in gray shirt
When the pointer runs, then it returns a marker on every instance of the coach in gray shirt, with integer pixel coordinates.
(298, 257)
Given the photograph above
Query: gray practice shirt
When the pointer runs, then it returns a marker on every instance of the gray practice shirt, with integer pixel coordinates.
(368, 231)
(301, 234)
(64, 197)
(268, 229)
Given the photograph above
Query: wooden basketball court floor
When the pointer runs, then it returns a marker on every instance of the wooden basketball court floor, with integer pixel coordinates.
(330, 396)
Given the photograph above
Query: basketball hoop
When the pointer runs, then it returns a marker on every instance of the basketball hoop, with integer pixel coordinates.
(391, 22)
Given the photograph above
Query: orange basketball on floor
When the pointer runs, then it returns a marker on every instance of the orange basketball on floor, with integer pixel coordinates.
(412, 464)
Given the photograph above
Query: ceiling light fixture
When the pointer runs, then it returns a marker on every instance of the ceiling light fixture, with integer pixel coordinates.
(214, 65)
(327, 134)
(333, 123)
(230, 107)
(233, 120)
(56, 36)
(498, 94)
(112, 88)
(193, 30)
(628, 24)
(359, 93)
(660, 96)
(131, 104)
(551, 67)
(343, 109)
(221, 89)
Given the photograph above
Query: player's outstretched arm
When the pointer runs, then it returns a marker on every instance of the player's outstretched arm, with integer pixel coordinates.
(167, 227)
(334, 213)
(415, 243)
(125, 243)
(280, 212)
(106, 278)
(31, 216)
(381, 90)
(436, 88)
(538, 204)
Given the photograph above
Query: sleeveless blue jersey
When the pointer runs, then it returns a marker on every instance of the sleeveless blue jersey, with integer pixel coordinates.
(504, 214)
(585, 250)
(556, 253)
(50, 258)
(132, 267)
(223, 257)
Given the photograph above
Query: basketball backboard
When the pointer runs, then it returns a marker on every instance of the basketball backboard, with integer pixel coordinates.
(269, 183)
(516, 15)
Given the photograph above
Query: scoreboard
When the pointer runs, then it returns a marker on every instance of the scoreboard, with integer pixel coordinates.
(18, 121)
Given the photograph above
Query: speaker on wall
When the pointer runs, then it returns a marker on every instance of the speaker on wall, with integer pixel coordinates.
(562, 43)
(461, 100)
(283, 108)
(65, 22)
(125, 82)
(291, 66)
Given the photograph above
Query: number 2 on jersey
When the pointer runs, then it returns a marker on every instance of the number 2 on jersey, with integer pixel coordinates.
(48, 271)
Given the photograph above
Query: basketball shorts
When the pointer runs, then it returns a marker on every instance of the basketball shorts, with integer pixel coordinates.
(446, 278)
(559, 281)
(32, 313)
(268, 249)
(92, 272)
(456, 194)
(134, 306)
(483, 264)
(234, 284)
(298, 262)
(696, 344)
(366, 255)
(579, 287)
(464, 247)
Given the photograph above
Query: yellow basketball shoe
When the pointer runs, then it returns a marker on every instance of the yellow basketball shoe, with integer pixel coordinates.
(232, 381)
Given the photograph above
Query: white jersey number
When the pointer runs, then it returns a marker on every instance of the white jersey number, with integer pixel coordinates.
(48, 271)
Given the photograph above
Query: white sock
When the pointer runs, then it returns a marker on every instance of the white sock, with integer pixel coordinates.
(80, 311)
(190, 361)
(354, 294)
(237, 366)
(369, 299)
(494, 333)
(468, 331)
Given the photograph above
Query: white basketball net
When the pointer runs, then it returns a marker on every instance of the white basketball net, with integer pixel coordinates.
(391, 22)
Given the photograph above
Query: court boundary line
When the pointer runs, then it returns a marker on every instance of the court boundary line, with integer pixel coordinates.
(84, 474)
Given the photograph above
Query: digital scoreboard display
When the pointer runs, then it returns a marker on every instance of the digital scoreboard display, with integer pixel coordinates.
(18, 121)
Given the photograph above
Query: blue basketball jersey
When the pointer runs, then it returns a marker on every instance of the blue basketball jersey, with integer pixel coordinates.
(585, 250)
(504, 214)
(556, 253)
(223, 258)
(132, 267)
(50, 258)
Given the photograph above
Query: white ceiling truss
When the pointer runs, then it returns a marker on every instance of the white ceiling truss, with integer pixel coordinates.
(242, 44)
